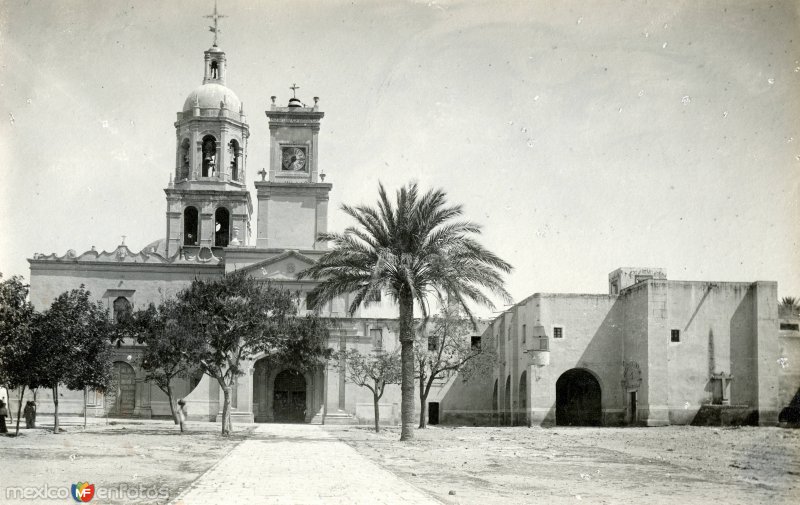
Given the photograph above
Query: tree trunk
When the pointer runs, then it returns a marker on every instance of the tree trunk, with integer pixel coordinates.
(19, 407)
(55, 411)
(85, 399)
(172, 404)
(407, 366)
(376, 399)
(423, 395)
(226, 411)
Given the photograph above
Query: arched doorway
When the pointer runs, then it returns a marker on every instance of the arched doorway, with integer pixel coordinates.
(578, 399)
(121, 396)
(495, 405)
(508, 418)
(289, 398)
(523, 399)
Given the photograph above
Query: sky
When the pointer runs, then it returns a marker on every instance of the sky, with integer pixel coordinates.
(581, 137)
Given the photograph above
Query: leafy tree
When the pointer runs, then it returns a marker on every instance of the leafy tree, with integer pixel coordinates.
(71, 343)
(167, 346)
(237, 318)
(372, 371)
(445, 350)
(411, 249)
(17, 319)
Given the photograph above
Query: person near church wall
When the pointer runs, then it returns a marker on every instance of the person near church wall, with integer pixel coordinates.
(3, 415)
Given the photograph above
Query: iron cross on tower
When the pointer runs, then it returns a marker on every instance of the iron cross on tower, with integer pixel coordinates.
(294, 87)
(216, 17)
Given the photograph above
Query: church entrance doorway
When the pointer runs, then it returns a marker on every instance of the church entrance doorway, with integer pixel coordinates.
(578, 399)
(121, 398)
(289, 399)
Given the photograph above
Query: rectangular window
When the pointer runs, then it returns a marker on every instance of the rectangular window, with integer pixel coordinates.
(376, 335)
(558, 332)
(433, 343)
(790, 326)
(675, 336)
(310, 300)
(374, 297)
(475, 343)
(524, 333)
(509, 333)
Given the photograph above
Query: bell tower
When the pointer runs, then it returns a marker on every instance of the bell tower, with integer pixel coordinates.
(292, 196)
(208, 205)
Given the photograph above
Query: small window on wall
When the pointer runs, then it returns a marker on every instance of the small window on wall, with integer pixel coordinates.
(311, 299)
(524, 333)
(475, 343)
(675, 336)
(790, 326)
(94, 398)
(433, 343)
(374, 296)
(122, 309)
(376, 335)
(558, 332)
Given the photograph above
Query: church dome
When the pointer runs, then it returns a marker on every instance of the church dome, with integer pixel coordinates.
(209, 96)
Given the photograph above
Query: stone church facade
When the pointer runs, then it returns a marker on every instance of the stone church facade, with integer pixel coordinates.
(209, 225)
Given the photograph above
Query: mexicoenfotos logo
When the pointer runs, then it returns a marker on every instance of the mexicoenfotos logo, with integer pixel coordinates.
(83, 492)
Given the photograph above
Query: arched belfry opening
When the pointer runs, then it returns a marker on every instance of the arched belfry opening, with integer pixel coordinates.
(235, 154)
(191, 228)
(214, 69)
(184, 160)
(578, 399)
(222, 220)
(209, 168)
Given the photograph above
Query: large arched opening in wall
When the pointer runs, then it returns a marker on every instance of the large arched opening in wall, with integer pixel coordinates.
(523, 399)
(289, 397)
(121, 396)
(507, 416)
(495, 405)
(578, 399)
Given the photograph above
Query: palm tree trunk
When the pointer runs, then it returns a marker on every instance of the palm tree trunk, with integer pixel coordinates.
(422, 397)
(406, 366)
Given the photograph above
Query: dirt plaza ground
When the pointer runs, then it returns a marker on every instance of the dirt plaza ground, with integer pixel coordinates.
(677, 464)
(126, 458)
(670, 465)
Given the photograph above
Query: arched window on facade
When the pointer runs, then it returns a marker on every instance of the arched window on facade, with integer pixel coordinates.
(209, 156)
(184, 161)
(122, 309)
(235, 153)
(221, 227)
(191, 231)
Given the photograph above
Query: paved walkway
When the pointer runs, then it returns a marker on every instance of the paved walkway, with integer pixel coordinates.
(298, 464)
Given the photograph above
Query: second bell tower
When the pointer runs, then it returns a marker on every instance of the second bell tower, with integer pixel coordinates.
(292, 196)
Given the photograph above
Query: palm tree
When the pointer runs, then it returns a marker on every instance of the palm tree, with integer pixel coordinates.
(412, 250)
(789, 303)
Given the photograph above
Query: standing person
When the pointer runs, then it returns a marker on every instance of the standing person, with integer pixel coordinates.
(3, 414)
(182, 413)
(30, 415)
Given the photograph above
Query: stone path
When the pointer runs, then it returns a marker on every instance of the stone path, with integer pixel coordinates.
(298, 464)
